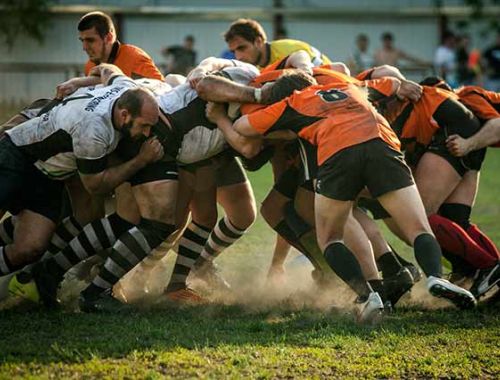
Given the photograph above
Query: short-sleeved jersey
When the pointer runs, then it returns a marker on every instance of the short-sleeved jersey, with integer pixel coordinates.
(332, 117)
(76, 134)
(133, 61)
(414, 122)
(484, 104)
(279, 49)
(191, 137)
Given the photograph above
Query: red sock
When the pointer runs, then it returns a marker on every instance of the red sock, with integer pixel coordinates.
(454, 239)
(484, 241)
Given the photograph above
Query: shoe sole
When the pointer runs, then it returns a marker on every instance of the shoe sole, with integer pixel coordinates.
(462, 301)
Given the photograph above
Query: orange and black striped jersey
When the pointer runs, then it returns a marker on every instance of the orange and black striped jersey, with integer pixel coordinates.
(414, 121)
(133, 61)
(333, 117)
(484, 104)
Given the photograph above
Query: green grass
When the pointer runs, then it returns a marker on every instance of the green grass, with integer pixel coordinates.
(255, 336)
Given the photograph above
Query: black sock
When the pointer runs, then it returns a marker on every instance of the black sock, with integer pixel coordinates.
(346, 266)
(428, 254)
(456, 212)
(388, 264)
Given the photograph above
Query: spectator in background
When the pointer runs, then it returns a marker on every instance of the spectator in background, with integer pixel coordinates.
(281, 34)
(492, 58)
(445, 59)
(360, 59)
(390, 55)
(181, 59)
(468, 70)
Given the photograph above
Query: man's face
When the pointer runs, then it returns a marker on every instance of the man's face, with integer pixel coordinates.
(94, 45)
(140, 126)
(245, 50)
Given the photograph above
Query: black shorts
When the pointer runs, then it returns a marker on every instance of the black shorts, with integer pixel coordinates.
(228, 170)
(373, 164)
(24, 187)
(157, 171)
(374, 206)
(454, 118)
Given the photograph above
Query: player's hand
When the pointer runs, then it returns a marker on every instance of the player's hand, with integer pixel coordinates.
(215, 112)
(151, 150)
(458, 146)
(195, 76)
(410, 90)
(66, 88)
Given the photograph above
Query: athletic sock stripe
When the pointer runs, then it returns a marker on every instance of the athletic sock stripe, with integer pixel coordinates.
(78, 249)
(120, 259)
(125, 252)
(108, 230)
(191, 245)
(86, 245)
(62, 261)
(181, 269)
(70, 255)
(185, 261)
(198, 239)
(210, 250)
(141, 240)
(93, 239)
(178, 278)
(228, 229)
(134, 247)
(73, 226)
(108, 277)
(101, 283)
(207, 256)
(183, 251)
(100, 233)
(222, 241)
(114, 268)
(198, 229)
(4, 268)
(58, 242)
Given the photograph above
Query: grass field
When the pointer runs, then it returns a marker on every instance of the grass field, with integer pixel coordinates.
(255, 335)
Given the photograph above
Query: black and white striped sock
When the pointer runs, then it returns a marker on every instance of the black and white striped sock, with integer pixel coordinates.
(191, 245)
(66, 231)
(129, 250)
(94, 238)
(7, 231)
(223, 235)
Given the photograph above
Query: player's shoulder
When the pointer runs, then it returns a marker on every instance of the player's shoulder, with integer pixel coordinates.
(132, 50)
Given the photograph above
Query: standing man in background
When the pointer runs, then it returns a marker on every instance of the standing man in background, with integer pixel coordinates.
(181, 59)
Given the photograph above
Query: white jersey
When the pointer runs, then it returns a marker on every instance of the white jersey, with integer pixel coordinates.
(76, 134)
(197, 137)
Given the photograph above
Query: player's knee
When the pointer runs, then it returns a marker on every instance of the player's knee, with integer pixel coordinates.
(26, 251)
(270, 211)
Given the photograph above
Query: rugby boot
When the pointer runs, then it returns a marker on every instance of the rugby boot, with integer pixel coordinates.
(439, 287)
(485, 280)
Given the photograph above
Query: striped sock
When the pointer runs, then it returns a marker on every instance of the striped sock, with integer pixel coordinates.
(66, 231)
(94, 238)
(223, 235)
(128, 251)
(191, 245)
(6, 231)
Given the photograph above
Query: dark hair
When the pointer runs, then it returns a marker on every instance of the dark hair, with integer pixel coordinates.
(246, 28)
(387, 36)
(132, 100)
(287, 83)
(189, 38)
(362, 37)
(435, 81)
(101, 21)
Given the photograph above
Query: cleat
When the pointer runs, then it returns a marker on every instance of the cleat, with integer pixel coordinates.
(439, 287)
(27, 291)
(102, 303)
(184, 295)
(210, 274)
(485, 280)
(46, 285)
(415, 272)
(396, 286)
(371, 309)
